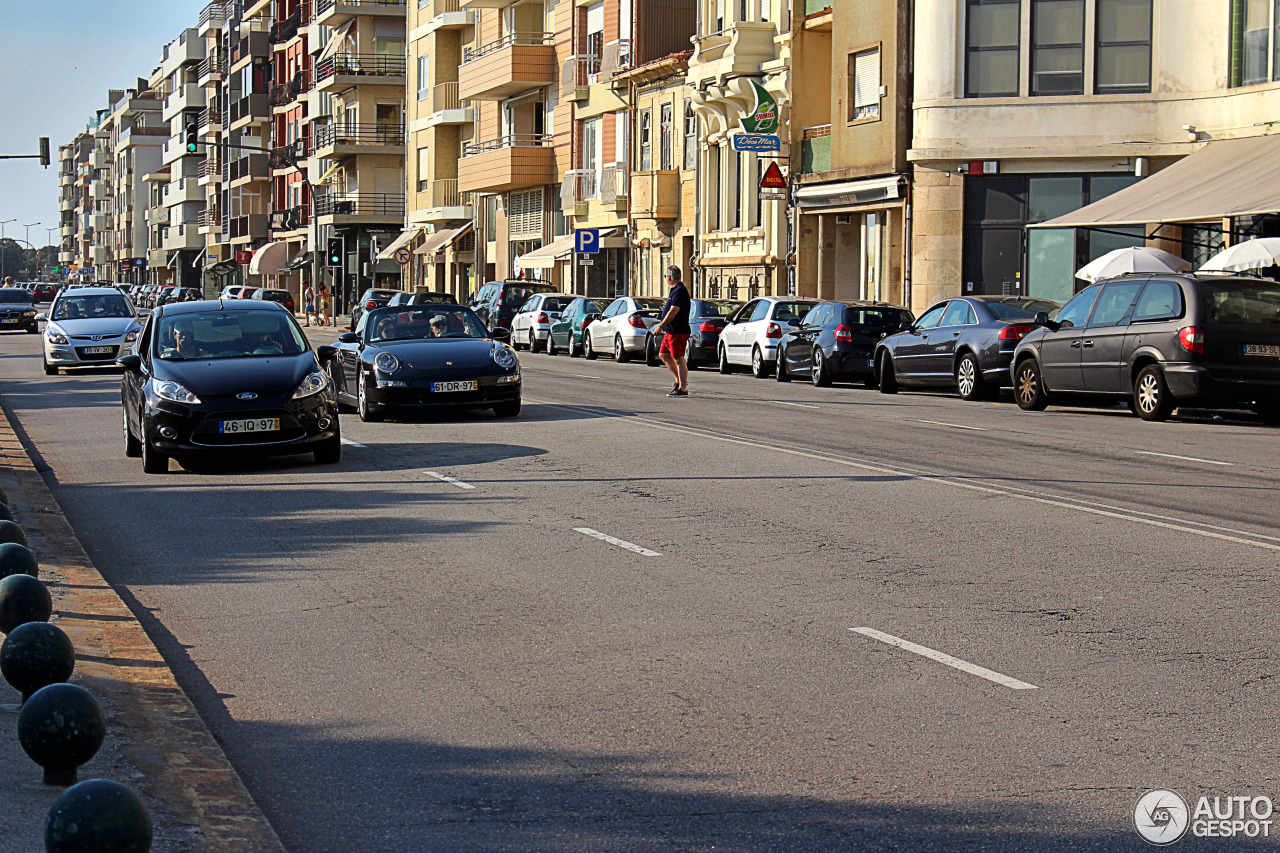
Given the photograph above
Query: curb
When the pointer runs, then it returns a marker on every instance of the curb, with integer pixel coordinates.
(170, 755)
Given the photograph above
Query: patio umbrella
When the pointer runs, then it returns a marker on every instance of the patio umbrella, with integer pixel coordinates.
(1250, 255)
(1133, 259)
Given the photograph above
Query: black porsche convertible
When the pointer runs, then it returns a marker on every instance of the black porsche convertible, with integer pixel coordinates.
(426, 356)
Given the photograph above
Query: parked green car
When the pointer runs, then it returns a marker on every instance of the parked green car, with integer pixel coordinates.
(566, 333)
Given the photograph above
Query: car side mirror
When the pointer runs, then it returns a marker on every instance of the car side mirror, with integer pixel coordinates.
(1042, 318)
(326, 353)
(591, 318)
(41, 317)
(348, 338)
(500, 334)
(131, 363)
(905, 326)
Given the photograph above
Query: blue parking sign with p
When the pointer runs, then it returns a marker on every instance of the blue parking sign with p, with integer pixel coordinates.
(587, 241)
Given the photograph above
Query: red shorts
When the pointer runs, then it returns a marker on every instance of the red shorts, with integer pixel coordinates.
(673, 345)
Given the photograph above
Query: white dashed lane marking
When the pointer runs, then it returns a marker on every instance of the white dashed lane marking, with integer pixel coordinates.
(1183, 458)
(613, 540)
(447, 479)
(953, 426)
(946, 659)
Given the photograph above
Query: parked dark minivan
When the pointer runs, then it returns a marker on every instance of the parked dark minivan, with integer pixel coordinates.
(1159, 341)
(496, 302)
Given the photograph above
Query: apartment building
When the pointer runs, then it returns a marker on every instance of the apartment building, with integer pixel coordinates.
(218, 266)
(521, 141)
(438, 219)
(97, 206)
(740, 69)
(1028, 110)
(135, 136)
(850, 133)
(361, 68)
(67, 159)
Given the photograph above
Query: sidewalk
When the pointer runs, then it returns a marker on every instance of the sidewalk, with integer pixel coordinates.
(156, 742)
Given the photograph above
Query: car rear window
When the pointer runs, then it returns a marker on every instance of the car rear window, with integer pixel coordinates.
(647, 304)
(1005, 311)
(515, 294)
(1240, 302)
(876, 318)
(703, 308)
(556, 303)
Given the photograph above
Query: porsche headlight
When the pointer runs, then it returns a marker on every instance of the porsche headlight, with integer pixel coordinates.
(504, 357)
(313, 384)
(386, 363)
(176, 393)
(54, 335)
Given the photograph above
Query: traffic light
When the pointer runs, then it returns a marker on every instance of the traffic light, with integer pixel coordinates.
(44, 151)
(193, 144)
(335, 252)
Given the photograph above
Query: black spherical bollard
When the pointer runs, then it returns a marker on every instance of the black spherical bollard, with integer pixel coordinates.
(17, 559)
(98, 816)
(10, 532)
(5, 512)
(60, 728)
(35, 655)
(23, 599)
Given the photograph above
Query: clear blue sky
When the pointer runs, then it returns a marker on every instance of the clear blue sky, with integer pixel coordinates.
(58, 58)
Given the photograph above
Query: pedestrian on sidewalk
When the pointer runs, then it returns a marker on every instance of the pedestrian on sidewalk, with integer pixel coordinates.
(675, 320)
(309, 304)
(324, 305)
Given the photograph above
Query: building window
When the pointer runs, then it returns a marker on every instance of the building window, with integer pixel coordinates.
(424, 170)
(665, 141)
(646, 140)
(992, 48)
(424, 78)
(733, 183)
(690, 136)
(490, 218)
(1123, 62)
(1057, 47)
(595, 40)
(713, 188)
(864, 85)
(592, 140)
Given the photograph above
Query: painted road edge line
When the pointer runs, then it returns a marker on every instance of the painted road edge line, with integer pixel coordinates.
(944, 658)
(956, 426)
(613, 540)
(797, 405)
(349, 443)
(447, 479)
(1184, 458)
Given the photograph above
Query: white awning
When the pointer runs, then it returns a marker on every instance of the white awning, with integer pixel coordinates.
(406, 237)
(557, 250)
(271, 259)
(336, 41)
(836, 197)
(437, 240)
(1229, 177)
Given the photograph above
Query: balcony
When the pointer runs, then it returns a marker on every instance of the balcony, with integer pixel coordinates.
(210, 122)
(66, 257)
(213, 18)
(67, 231)
(255, 44)
(184, 191)
(210, 172)
(185, 235)
(655, 195)
(288, 158)
(66, 204)
(184, 51)
(335, 13)
(508, 66)
(284, 94)
(447, 15)
(66, 179)
(209, 221)
(351, 69)
(101, 222)
(741, 50)
(188, 97)
(340, 140)
(447, 203)
(290, 219)
(286, 30)
(99, 191)
(250, 109)
(254, 8)
(99, 159)
(250, 168)
(507, 163)
(212, 68)
(361, 207)
(99, 255)
(446, 107)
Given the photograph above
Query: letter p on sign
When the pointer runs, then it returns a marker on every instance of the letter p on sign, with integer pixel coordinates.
(587, 241)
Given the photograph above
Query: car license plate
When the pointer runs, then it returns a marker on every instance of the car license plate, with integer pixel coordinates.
(442, 387)
(871, 362)
(249, 425)
(1264, 350)
(8, 322)
(97, 350)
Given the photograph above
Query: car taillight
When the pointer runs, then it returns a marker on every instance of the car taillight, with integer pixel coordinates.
(775, 331)
(586, 321)
(371, 305)
(1191, 339)
(1015, 332)
(543, 318)
(844, 333)
(637, 321)
(708, 327)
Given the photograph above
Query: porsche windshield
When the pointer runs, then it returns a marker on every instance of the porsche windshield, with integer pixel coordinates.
(429, 321)
(227, 334)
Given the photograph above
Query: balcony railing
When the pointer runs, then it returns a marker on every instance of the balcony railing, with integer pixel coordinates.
(210, 167)
(286, 156)
(213, 12)
(444, 193)
(439, 7)
(250, 106)
(210, 117)
(579, 186)
(444, 96)
(251, 166)
(290, 219)
(389, 205)
(323, 6)
(361, 65)
(213, 64)
(282, 31)
(515, 140)
(506, 41)
(211, 216)
(360, 134)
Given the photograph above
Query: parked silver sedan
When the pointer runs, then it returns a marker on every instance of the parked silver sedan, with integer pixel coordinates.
(531, 325)
(88, 326)
(623, 328)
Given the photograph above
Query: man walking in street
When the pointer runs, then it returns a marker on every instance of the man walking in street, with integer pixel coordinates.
(675, 319)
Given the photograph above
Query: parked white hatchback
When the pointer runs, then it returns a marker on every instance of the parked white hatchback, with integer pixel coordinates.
(623, 328)
(750, 337)
(531, 326)
(88, 326)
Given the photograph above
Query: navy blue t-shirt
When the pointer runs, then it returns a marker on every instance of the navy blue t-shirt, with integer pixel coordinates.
(679, 298)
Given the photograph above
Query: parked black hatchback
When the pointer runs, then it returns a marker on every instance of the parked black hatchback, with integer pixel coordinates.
(837, 340)
(1159, 342)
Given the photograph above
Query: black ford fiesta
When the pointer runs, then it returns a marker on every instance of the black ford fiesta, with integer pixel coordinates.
(217, 378)
(426, 356)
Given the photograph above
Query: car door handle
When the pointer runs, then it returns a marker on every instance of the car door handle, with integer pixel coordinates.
(1075, 345)
(1088, 344)
(955, 334)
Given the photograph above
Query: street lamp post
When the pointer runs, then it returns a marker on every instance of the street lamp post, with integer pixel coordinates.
(26, 237)
(3, 223)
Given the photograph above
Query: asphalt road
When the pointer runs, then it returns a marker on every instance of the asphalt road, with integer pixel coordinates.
(395, 662)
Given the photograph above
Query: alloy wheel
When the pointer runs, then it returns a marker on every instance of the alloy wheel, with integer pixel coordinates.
(965, 378)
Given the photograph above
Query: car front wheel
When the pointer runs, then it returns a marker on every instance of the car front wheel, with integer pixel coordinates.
(153, 461)
(1151, 394)
(50, 369)
(331, 452)
(132, 447)
(507, 410)
(1028, 387)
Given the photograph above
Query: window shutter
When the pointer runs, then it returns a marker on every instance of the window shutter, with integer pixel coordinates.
(866, 79)
(524, 214)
